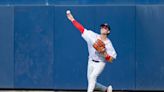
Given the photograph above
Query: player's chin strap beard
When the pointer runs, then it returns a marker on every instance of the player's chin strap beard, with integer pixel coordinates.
(105, 34)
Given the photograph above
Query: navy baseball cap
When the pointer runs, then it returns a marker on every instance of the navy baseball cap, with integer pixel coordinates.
(105, 25)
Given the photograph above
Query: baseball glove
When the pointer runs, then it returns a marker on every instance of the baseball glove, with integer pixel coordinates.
(99, 46)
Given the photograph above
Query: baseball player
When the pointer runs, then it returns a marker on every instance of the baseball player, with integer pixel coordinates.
(100, 51)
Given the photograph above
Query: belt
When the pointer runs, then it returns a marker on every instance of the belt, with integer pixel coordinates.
(95, 61)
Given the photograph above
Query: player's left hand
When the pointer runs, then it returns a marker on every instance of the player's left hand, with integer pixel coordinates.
(99, 46)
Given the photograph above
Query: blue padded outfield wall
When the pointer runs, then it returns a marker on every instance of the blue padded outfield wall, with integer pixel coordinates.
(6, 47)
(79, 2)
(41, 49)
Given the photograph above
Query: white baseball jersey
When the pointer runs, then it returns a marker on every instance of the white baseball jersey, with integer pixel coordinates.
(90, 37)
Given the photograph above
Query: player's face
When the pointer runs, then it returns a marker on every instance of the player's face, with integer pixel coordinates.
(104, 31)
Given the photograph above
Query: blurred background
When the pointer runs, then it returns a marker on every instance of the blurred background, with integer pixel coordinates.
(41, 49)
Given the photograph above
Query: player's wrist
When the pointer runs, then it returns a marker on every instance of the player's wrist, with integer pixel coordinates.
(72, 19)
(108, 58)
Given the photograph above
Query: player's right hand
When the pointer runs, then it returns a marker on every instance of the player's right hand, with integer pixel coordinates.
(69, 15)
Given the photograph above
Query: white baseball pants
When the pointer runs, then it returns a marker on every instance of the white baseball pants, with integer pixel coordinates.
(94, 70)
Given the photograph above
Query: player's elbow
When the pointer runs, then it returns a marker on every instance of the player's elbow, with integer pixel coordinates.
(115, 56)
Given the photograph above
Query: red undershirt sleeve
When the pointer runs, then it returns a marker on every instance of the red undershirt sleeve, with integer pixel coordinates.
(78, 26)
